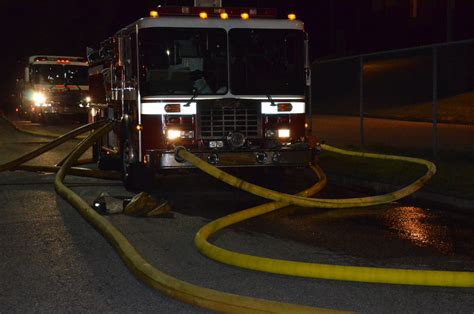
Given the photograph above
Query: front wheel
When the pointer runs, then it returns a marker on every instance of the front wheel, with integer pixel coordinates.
(135, 176)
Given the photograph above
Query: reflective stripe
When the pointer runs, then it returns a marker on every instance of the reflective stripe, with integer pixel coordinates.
(159, 108)
(267, 108)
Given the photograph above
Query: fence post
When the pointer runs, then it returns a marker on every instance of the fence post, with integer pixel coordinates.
(434, 112)
(361, 103)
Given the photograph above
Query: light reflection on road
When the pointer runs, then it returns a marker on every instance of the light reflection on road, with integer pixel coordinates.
(419, 227)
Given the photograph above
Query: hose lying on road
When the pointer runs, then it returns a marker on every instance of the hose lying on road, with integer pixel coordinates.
(226, 302)
(208, 298)
(199, 296)
(303, 201)
(60, 140)
(76, 171)
(313, 270)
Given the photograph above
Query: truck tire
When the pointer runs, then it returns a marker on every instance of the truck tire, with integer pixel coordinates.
(135, 175)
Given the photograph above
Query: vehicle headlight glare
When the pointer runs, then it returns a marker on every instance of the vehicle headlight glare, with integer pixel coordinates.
(39, 98)
(173, 134)
(88, 99)
(284, 133)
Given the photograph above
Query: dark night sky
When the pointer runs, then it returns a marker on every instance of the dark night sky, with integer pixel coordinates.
(336, 27)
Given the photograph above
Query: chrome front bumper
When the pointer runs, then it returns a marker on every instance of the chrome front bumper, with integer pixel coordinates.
(64, 110)
(241, 158)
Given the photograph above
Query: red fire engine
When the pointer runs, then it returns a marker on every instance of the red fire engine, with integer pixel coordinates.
(232, 85)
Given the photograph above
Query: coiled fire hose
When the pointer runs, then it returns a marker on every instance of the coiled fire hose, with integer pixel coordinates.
(314, 270)
(208, 298)
(216, 300)
(186, 292)
(316, 202)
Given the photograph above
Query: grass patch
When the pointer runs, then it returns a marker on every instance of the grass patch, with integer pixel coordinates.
(455, 175)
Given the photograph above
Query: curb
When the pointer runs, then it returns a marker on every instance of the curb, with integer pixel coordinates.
(464, 205)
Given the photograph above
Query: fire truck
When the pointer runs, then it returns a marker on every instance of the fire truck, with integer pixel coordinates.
(231, 85)
(55, 86)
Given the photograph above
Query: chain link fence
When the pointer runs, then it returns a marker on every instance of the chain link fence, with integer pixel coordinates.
(418, 100)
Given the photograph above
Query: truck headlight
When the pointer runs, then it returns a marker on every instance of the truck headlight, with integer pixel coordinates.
(39, 98)
(173, 134)
(88, 99)
(284, 133)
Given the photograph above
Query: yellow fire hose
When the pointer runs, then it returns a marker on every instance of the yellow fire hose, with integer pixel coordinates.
(316, 202)
(199, 296)
(60, 140)
(312, 270)
(189, 293)
(225, 302)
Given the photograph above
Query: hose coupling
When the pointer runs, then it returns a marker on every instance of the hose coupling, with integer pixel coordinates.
(177, 157)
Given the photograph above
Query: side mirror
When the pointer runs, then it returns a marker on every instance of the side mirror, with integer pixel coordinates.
(27, 74)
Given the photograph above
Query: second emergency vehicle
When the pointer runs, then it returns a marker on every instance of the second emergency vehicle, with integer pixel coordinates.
(55, 87)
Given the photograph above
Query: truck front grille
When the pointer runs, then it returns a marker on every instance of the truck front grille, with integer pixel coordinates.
(67, 98)
(218, 122)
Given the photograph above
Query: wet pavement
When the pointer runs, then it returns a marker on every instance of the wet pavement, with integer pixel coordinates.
(389, 234)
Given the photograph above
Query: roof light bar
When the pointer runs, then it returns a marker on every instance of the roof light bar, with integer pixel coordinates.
(216, 12)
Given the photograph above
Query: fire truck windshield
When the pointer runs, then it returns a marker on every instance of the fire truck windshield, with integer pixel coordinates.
(59, 74)
(183, 61)
(266, 62)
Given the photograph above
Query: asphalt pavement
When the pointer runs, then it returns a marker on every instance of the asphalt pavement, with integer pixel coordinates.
(53, 261)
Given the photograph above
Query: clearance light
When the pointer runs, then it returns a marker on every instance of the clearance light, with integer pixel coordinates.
(245, 16)
(203, 15)
(173, 108)
(139, 127)
(292, 16)
(285, 107)
(153, 13)
(173, 134)
(306, 125)
(224, 16)
(284, 133)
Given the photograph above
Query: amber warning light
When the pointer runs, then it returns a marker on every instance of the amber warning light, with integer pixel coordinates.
(223, 13)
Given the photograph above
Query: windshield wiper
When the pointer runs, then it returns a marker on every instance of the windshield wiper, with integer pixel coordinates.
(271, 100)
(195, 94)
